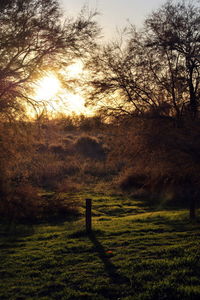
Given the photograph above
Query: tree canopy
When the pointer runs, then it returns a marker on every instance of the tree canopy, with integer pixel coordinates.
(153, 71)
(35, 38)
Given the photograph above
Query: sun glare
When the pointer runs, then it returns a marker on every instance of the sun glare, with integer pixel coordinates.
(75, 69)
(58, 99)
(47, 88)
(75, 103)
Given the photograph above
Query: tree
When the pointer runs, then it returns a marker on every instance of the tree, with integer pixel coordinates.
(174, 31)
(155, 70)
(131, 79)
(35, 38)
(155, 74)
(118, 79)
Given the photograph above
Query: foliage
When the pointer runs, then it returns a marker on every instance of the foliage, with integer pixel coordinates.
(151, 80)
(35, 39)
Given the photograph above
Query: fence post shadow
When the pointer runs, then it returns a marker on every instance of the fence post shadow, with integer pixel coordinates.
(109, 267)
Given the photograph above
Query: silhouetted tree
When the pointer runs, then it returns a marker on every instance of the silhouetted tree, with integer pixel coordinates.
(174, 32)
(155, 70)
(130, 79)
(35, 38)
(119, 80)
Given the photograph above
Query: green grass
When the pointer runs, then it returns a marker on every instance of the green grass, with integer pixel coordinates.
(135, 252)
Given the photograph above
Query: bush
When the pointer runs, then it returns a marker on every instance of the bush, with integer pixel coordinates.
(72, 167)
(130, 179)
(41, 147)
(20, 203)
(90, 147)
(25, 203)
(46, 170)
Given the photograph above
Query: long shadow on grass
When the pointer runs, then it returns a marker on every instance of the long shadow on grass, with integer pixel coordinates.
(110, 268)
(11, 237)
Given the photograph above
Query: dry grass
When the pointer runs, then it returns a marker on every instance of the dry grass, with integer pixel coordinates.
(151, 158)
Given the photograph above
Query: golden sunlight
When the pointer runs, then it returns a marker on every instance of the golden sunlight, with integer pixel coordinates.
(47, 88)
(50, 90)
(75, 103)
(75, 69)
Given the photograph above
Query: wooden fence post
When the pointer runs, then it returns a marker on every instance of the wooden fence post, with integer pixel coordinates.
(88, 215)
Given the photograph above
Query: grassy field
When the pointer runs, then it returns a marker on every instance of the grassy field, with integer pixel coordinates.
(134, 252)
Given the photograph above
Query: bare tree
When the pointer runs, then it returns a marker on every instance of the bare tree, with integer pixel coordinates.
(34, 39)
(174, 31)
(154, 71)
(130, 79)
(119, 79)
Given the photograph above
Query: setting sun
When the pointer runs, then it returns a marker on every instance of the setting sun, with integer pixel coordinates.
(47, 88)
(58, 99)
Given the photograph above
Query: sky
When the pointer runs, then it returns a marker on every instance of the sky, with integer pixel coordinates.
(114, 14)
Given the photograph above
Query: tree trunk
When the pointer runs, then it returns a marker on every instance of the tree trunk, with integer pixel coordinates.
(193, 99)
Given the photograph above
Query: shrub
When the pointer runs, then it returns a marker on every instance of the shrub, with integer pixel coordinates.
(20, 203)
(68, 146)
(165, 162)
(130, 179)
(25, 203)
(90, 147)
(41, 147)
(95, 169)
(71, 168)
(67, 141)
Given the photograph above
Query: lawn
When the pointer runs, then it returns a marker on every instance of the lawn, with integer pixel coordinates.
(134, 252)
